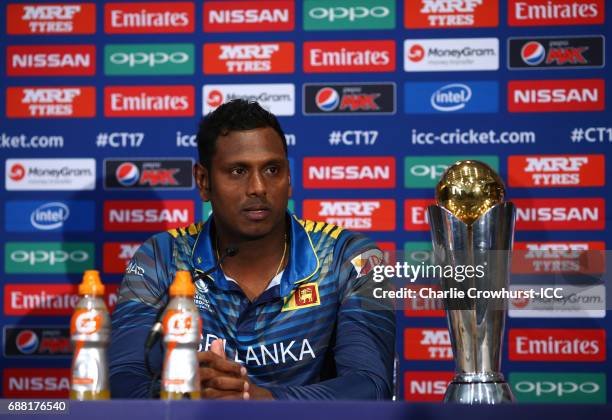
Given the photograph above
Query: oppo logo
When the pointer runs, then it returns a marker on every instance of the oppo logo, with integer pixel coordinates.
(35, 257)
(150, 59)
(429, 171)
(558, 389)
(351, 14)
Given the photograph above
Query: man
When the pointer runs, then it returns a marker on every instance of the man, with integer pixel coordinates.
(291, 315)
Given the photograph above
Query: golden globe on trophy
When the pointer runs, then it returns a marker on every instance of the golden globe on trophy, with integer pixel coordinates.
(471, 225)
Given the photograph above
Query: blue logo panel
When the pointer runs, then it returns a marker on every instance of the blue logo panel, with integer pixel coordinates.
(451, 97)
(50, 216)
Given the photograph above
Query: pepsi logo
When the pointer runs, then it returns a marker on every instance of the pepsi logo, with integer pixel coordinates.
(17, 172)
(416, 53)
(27, 342)
(533, 53)
(215, 98)
(127, 174)
(327, 99)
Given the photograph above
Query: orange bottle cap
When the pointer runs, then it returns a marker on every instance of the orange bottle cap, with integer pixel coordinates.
(182, 284)
(91, 284)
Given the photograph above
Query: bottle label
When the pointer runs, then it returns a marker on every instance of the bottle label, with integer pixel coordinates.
(86, 322)
(180, 325)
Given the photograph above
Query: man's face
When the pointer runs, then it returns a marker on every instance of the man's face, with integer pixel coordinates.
(248, 184)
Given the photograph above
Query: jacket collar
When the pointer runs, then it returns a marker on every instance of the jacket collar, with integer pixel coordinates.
(303, 261)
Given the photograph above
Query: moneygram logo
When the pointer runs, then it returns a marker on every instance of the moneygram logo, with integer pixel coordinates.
(423, 14)
(330, 15)
(157, 174)
(249, 58)
(117, 255)
(426, 386)
(577, 95)
(451, 97)
(560, 213)
(249, 16)
(36, 383)
(278, 98)
(149, 101)
(51, 102)
(451, 54)
(50, 174)
(48, 257)
(415, 214)
(349, 99)
(555, 12)
(427, 344)
(62, 18)
(48, 299)
(559, 387)
(556, 171)
(51, 60)
(557, 345)
(49, 216)
(364, 215)
(574, 302)
(147, 215)
(556, 52)
(347, 172)
(349, 56)
(148, 59)
(36, 341)
(425, 171)
(145, 18)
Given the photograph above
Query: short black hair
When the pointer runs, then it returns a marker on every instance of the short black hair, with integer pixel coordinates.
(235, 115)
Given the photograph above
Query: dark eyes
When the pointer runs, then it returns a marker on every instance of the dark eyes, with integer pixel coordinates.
(270, 170)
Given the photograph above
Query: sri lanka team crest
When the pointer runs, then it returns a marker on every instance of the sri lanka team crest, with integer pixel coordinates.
(305, 296)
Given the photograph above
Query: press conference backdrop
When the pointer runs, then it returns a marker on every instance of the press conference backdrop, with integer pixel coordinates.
(377, 98)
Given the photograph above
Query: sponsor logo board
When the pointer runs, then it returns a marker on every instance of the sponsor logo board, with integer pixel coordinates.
(577, 95)
(357, 214)
(427, 344)
(51, 102)
(249, 16)
(149, 101)
(560, 213)
(451, 54)
(149, 59)
(147, 215)
(36, 382)
(587, 301)
(149, 17)
(415, 214)
(559, 52)
(158, 174)
(48, 257)
(555, 12)
(424, 14)
(50, 174)
(556, 171)
(558, 387)
(426, 386)
(349, 98)
(278, 98)
(336, 15)
(117, 255)
(349, 56)
(49, 216)
(51, 60)
(451, 97)
(249, 58)
(425, 171)
(576, 257)
(50, 19)
(557, 345)
(37, 341)
(349, 172)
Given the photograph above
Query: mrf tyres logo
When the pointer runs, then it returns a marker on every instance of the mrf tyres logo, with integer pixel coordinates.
(358, 214)
(557, 345)
(556, 171)
(58, 18)
(349, 172)
(349, 56)
(577, 95)
(333, 15)
(51, 60)
(149, 101)
(451, 54)
(278, 98)
(577, 257)
(48, 257)
(555, 12)
(249, 58)
(556, 52)
(349, 98)
(558, 387)
(145, 18)
(51, 102)
(424, 14)
(50, 174)
(36, 341)
(117, 255)
(249, 16)
(427, 344)
(148, 59)
(451, 97)
(122, 174)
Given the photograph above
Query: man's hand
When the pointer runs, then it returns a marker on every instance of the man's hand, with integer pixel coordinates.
(223, 379)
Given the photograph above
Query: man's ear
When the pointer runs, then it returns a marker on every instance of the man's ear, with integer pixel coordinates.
(202, 179)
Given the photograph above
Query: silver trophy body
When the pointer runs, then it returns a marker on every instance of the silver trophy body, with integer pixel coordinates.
(477, 327)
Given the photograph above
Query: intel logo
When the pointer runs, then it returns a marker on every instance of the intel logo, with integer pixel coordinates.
(451, 97)
(50, 216)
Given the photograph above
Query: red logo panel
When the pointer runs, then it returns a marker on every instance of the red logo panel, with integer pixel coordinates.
(149, 18)
(558, 257)
(349, 56)
(57, 18)
(50, 102)
(557, 345)
(555, 12)
(36, 383)
(419, 14)
(51, 60)
(357, 214)
(556, 171)
(426, 386)
(149, 101)
(117, 255)
(249, 58)
(415, 214)
(556, 95)
(249, 16)
(349, 172)
(147, 215)
(427, 344)
(560, 213)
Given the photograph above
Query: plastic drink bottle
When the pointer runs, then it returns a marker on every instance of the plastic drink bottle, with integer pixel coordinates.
(182, 326)
(90, 334)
